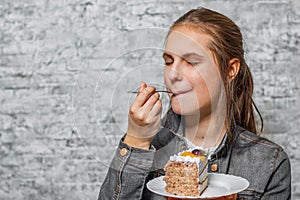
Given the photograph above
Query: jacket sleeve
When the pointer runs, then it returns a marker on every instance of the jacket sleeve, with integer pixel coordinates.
(279, 185)
(127, 173)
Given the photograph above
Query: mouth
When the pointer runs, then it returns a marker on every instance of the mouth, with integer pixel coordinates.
(180, 92)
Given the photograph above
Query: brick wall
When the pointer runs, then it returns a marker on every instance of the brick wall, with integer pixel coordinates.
(64, 67)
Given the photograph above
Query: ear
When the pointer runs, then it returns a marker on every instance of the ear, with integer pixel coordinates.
(233, 68)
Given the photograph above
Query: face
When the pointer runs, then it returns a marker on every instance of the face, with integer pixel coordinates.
(191, 73)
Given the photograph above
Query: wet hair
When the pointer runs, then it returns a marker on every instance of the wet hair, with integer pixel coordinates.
(227, 43)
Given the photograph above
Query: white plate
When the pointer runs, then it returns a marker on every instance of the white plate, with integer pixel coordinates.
(218, 185)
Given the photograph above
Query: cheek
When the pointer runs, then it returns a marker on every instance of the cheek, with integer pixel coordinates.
(198, 81)
(208, 78)
(203, 92)
(166, 80)
(185, 105)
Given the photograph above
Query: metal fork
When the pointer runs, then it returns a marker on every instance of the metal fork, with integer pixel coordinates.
(136, 92)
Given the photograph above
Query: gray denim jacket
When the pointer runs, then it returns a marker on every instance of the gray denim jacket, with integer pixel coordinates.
(263, 163)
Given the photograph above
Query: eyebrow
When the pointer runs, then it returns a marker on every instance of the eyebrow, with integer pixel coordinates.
(189, 55)
(186, 55)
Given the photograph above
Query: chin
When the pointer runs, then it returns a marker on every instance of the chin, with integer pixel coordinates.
(176, 110)
(182, 110)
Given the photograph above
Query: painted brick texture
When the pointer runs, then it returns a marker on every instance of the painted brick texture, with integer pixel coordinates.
(65, 67)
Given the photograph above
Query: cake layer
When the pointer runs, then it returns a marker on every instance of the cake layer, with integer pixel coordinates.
(187, 189)
(180, 180)
(181, 169)
(174, 168)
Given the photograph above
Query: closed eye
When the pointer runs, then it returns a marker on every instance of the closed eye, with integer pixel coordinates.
(192, 58)
(168, 59)
(168, 62)
(193, 63)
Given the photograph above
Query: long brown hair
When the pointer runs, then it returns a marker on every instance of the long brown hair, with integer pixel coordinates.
(227, 43)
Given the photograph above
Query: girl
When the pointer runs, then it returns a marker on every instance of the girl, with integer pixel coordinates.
(211, 90)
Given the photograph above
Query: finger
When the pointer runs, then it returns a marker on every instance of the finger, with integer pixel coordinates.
(156, 109)
(150, 102)
(144, 95)
(143, 85)
(233, 196)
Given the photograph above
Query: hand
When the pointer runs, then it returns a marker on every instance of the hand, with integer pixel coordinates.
(229, 197)
(144, 117)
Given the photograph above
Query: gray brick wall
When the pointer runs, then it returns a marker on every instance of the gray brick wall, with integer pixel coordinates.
(65, 67)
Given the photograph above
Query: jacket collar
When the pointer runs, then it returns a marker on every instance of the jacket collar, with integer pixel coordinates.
(175, 124)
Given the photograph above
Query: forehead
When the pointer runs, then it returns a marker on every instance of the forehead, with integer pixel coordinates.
(184, 40)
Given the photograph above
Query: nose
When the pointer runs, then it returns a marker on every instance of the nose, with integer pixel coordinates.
(174, 73)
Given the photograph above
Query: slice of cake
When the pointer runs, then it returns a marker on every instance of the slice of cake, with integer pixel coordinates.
(186, 173)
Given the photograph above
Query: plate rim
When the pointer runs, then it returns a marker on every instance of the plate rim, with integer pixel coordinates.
(160, 178)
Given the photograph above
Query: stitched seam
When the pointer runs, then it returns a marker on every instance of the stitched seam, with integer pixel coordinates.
(251, 192)
(140, 166)
(259, 142)
(142, 189)
(119, 184)
(137, 163)
(275, 159)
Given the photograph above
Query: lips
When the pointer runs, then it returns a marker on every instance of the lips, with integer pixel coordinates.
(180, 92)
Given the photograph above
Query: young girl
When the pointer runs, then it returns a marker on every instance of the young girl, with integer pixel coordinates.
(211, 90)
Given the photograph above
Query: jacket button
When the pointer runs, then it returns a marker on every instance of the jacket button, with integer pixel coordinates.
(123, 151)
(214, 167)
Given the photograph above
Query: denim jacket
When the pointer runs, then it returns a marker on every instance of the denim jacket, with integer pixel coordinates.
(263, 163)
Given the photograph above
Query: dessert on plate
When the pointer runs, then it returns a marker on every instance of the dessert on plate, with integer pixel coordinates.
(186, 173)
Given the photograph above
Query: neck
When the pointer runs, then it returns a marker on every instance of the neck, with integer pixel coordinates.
(206, 131)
